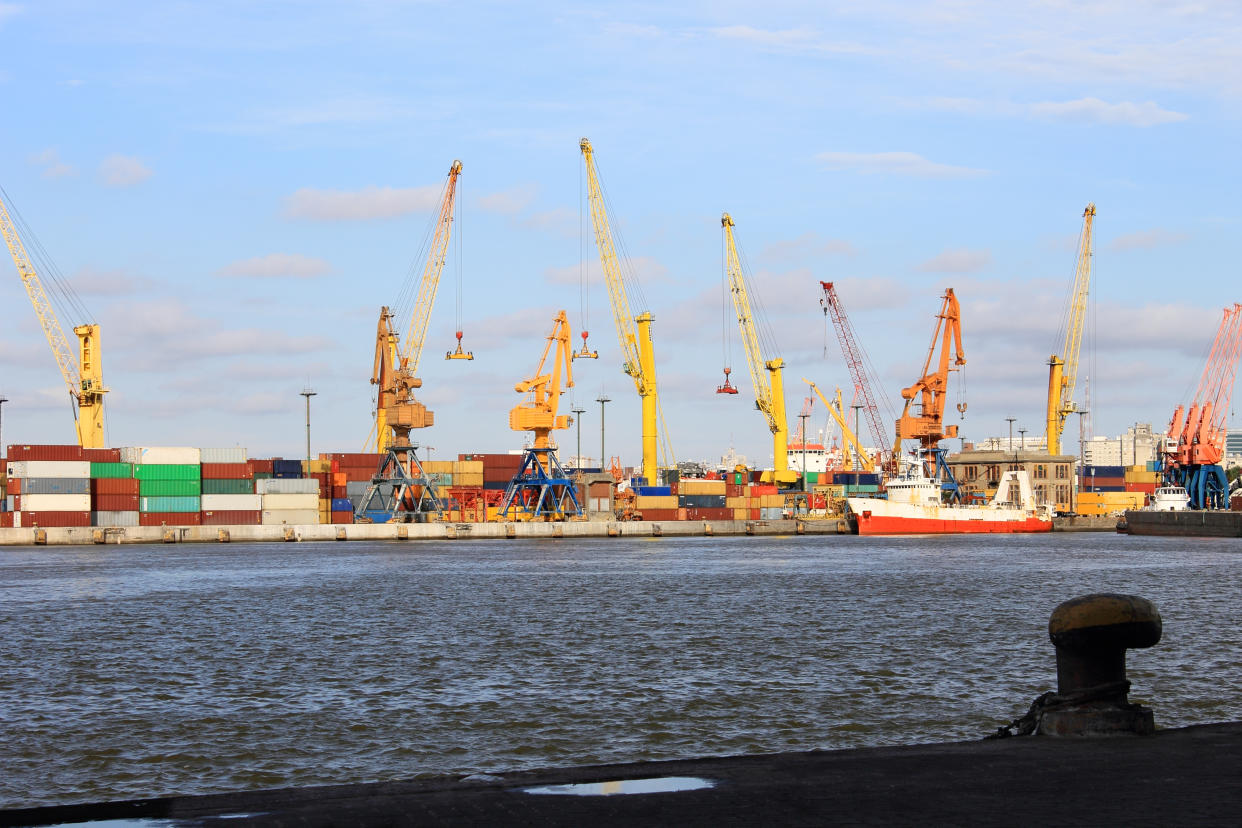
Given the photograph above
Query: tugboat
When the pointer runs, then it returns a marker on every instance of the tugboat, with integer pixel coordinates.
(1169, 499)
(914, 507)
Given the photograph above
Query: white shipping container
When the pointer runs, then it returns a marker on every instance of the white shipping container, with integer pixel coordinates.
(55, 468)
(223, 455)
(280, 500)
(114, 518)
(286, 485)
(291, 517)
(56, 502)
(232, 503)
(131, 454)
(17, 468)
(170, 456)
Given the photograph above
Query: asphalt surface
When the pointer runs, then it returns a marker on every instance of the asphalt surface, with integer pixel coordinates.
(1187, 776)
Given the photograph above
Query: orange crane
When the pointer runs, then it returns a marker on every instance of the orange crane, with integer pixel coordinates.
(397, 412)
(541, 488)
(1199, 439)
(927, 426)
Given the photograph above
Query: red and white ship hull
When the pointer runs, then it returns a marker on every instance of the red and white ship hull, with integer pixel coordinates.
(874, 516)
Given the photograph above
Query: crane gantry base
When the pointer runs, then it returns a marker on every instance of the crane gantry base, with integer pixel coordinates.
(536, 494)
(1206, 485)
(400, 491)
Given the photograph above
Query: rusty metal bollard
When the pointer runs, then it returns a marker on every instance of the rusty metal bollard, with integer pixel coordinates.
(1091, 634)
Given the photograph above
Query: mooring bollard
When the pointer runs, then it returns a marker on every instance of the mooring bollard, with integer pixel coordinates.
(1091, 634)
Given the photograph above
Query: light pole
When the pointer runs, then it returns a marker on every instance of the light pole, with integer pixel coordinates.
(1011, 419)
(601, 399)
(579, 412)
(857, 439)
(1077, 481)
(308, 393)
(1022, 431)
(3, 400)
(803, 417)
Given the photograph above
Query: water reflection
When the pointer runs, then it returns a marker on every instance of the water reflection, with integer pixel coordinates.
(657, 784)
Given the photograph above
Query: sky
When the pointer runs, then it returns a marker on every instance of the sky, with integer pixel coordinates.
(234, 189)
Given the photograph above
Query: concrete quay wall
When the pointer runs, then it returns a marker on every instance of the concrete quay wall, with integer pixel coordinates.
(1209, 524)
(62, 536)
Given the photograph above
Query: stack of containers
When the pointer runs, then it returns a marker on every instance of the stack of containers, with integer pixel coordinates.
(1109, 503)
(1141, 479)
(1103, 479)
(765, 502)
(114, 490)
(6, 516)
(290, 501)
(655, 502)
(498, 469)
(321, 472)
(703, 499)
(351, 476)
(48, 486)
(169, 484)
(228, 488)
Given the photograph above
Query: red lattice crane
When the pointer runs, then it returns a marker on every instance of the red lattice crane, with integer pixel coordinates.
(927, 426)
(856, 360)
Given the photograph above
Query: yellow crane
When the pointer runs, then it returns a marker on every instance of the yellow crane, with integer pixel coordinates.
(636, 345)
(397, 412)
(82, 370)
(848, 437)
(765, 374)
(1063, 370)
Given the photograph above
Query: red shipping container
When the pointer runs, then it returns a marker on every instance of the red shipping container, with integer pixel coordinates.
(365, 458)
(114, 502)
(264, 466)
(339, 479)
(115, 486)
(342, 517)
(15, 486)
(102, 455)
(761, 489)
(659, 514)
(17, 502)
(735, 490)
(49, 519)
(754, 514)
(231, 517)
(170, 519)
(45, 453)
(1146, 488)
(6, 520)
(227, 471)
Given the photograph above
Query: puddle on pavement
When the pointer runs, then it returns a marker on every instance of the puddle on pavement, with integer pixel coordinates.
(658, 784)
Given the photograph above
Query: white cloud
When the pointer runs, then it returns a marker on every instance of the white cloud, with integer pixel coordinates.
(508, 202)
(809, 244)
(800, 39)
(53, 167)
(1146, 239)
(123, 171)
(278, 265)
(90, 282)
(8, 10)
(895, 163)
(1096, 111)
(560, 221)
(361, 205)
(960, 260)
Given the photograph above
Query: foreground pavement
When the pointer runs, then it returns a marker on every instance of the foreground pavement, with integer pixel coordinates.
(1176, 777)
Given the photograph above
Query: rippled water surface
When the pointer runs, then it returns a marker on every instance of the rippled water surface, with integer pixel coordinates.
(132, 671)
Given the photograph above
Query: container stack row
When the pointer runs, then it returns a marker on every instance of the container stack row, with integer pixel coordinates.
(695, 499)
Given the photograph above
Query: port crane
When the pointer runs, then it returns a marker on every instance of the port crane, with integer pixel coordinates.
(81, 369)
(849, 438)
(860, 372)
(765, 374)
(634, 332)
(541, 489)
(1063, 369)
(1197, 435)
(927, 425)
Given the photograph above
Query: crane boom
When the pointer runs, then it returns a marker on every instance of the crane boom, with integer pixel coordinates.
(633, 332)
(848, 435)
(1063, 370)
(412, 351)
(855, 360)
(82, 372)
(928, 425)
(765, 375)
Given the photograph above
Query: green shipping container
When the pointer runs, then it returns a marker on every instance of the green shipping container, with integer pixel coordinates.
(169, 504)
(125, 470)
(228, 486)
(812, 477)
(169, 488)
(154, 471)
(263, 475)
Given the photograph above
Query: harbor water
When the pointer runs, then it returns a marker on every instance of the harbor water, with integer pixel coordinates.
(136, 671)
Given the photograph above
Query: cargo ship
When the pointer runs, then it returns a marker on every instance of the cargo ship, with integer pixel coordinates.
(914, 507)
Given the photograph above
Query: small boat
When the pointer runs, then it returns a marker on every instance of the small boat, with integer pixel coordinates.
(1169, 499)
(914, 507)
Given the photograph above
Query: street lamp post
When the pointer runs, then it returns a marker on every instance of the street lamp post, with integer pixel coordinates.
(3, 400)
(1022, 431)
(1077, 481)
(857, 439)
(1011, 419)
(308, 393)
(578, 421)
(601, 399)
(803, 417)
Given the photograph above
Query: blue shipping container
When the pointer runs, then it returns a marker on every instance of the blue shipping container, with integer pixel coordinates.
(653, 491)
(342, 504)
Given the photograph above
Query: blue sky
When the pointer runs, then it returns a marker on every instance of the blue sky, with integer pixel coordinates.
(235, 188)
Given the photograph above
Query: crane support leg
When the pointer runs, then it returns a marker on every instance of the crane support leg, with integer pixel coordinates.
(1055, 417)
(646, 355)
(780, 436)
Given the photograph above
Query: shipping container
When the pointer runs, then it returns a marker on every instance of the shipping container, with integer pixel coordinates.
(55, 502)
(52, 519)
(277, 485)
(290, 517)
(227, 486)
(167, 471)
(58, 452)
(215, 456)
(101, 455)
(339, 517)
(357, 488)
(231, 503)
(257, 466)
(227, 471)
(6, 520)
(700, 487)
(653, 491)
(115, 503)
(170, 488)
(340, 504)
(55, 485)
(170, 504)
(291, 468)
(225, 517)
(273, 501)
(101, 470)
(659, 514)
(53, 468)
(170, 519)
(701, 501)
(115, 518)
(645, 502)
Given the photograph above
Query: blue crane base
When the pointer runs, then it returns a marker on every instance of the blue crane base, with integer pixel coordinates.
(1207, 486)
(533, 493)
(400, 491)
